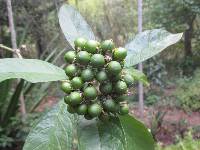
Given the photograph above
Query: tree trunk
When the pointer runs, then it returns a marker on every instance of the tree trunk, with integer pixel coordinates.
(14, 46)
(188, 41)
(188, 37)
(140, 66)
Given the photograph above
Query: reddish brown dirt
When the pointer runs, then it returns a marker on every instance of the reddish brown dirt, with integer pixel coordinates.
(175, 122)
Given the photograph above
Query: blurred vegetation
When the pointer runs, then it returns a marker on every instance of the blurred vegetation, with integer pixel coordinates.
(37, 27)
(188, 143)
(188, 92)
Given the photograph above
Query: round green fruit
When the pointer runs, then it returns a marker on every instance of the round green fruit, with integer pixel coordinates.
(70, 109)
(97, 60)
(106, 88)
(107, 46)
(83, 57)
(115, 77)
(71, 70)
(67, 99)
(101, 76)
(66, 87)
(121, 98)
(75, 98)
(124, 109)
(80, 43)
(120, 87)
(70, 56)
(94, 110)
(87, 75)
(110, 105)
(114, 67)
(120, 53)
(82, 109)
(77, 82)
(128, 79)
(90, 92)
(91, 46)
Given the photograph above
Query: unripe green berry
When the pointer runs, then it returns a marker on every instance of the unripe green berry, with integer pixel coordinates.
(120, 87)
(101, 76)
(77, 82)
(75, 98)
(67, 99)
(83, 57)
(91, 46)
(66, 87)
(120, 53)
(109, 105)
(70, 56)
(71, 70)
(97, 60)
(106, 88)
(82, 109)
(90, 92)
(80, 43)
(128, 79)
(114, 67)
(124, 109)
(94, 110)
(107, 46)
(87, 75)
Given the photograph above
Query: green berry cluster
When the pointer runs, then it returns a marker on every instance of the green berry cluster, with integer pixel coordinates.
(97, 86)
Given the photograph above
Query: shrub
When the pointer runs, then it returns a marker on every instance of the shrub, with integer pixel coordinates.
(188, 143)
(187, 92)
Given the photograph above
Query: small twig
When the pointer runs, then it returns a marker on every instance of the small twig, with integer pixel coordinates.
(16, 51)
(6, 48)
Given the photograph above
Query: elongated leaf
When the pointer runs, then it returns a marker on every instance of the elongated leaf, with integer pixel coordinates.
(149, 43)
(73, 24)
(13, 103)
(137, 75)
(4, 90)
(32, 70)
(54, 132)
(125, 133)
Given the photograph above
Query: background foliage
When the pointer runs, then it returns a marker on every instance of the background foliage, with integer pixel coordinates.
(37, 27)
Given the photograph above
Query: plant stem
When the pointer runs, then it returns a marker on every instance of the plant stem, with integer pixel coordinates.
(15, 50)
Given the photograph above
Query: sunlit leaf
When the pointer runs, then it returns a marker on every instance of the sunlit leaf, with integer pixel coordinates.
(53, 132)
(32, 70)
(149, 43)
(73, 24)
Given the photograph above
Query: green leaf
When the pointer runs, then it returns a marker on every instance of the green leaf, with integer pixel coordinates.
(73, 24)
(137, 135)
(54, 132)
(5, 88)
(149, 43)
(13, 103)
(123, 133)
(137, 75)
(32, 70)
